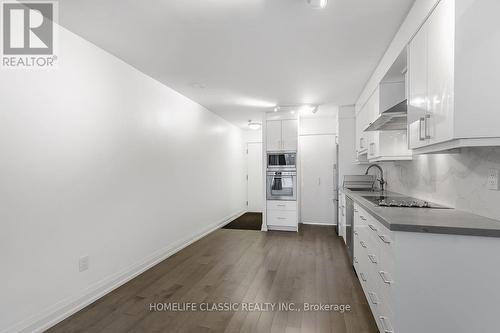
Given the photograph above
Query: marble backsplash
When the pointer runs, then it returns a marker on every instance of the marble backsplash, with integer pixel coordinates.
(457, 180)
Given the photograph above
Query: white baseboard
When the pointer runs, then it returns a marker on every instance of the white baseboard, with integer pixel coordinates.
(281, 228)
(314, 223)
(67, 307)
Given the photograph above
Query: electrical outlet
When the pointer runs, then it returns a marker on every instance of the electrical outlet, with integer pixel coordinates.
(83, 263)
(493, 179)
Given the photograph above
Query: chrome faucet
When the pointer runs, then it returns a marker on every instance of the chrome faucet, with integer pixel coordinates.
(381, 180)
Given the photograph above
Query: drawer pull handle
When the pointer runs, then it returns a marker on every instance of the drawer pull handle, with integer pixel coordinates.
(281, 205)
(355, 210)
(372, 258)
(372, 227)
(281, 218)
(363, 277)
(385, 239)
(373, 297)
(384, 277)
(386, 326)
(362, 217)
(362, 244)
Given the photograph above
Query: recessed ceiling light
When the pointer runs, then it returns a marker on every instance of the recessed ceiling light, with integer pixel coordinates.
(318, 4)
(253, 125)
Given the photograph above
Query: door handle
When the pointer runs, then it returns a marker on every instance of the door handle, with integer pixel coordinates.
(384, 277)
(385, 325)
(372, 258)
(372, 227)
(426, 123)
(420, 125)
(373, 297)
(384, 239)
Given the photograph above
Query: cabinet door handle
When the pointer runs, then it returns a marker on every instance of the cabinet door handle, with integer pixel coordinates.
(281, 205)
(420, 125)
(356, 233)
(362, 217)
(355, 260)
(362, 244)
(373, 297)
(386, 326)
(384, 277)
(372, 227)
(384, 239)
(426, 123)
(372, 258)
(363, 277)
(355, 210)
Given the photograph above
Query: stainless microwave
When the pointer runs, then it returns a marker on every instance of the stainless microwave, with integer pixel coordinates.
(281, 161)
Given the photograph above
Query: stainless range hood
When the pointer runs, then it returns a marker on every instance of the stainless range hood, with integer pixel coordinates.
(391, 119)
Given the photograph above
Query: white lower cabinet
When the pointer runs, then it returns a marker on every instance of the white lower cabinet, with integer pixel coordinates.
(420, 282)
(342, 216)
(375, 266)
(282, 215)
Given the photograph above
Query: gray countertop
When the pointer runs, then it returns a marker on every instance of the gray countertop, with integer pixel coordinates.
(437, 221)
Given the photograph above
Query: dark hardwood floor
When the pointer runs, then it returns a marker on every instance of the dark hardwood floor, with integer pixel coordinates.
(247, 221)
(238, 266)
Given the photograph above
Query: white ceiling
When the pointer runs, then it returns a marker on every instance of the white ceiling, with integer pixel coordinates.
(247, 54)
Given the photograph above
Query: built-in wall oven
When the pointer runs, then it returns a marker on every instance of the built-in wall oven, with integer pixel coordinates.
(281, 161)
(282, 185)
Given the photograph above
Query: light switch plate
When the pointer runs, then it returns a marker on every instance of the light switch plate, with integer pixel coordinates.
(83, 263)
(493, 179)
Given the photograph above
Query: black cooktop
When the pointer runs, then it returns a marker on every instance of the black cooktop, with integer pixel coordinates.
(401, 202)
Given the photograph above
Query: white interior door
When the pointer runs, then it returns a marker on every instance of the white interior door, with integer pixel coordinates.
(255, 191)
(317, 156)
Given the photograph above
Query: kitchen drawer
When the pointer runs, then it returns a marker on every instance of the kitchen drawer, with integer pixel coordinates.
(282, 218)
(363, 216)
(282, 205)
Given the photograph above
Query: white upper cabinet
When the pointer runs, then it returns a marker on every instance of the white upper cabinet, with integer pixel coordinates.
(431, 58)
(440, 69)
(273, 135)
(418, 104)
(289, 134)
(446, 107)
(282, 135)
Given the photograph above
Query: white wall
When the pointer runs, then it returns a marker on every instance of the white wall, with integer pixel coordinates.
(252, 136)
(456, 180)
(100, 160)
(415, 18)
